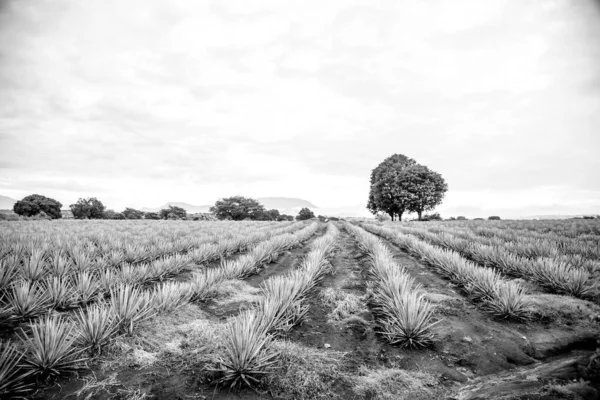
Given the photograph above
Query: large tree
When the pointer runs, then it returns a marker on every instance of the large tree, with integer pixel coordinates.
(387, 193)
(426, 188)
(34, 204)
(90, 208)
(238, 208)
(400, 185)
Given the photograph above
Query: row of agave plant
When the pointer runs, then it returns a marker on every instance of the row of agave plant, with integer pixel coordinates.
(502, 298)
(573, 251)
(54, 344)
(553, 274)
(47, 257)
(249, 354)
(67, 286)
(403, 315)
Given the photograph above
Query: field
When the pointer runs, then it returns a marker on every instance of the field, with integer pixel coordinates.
(300, 310)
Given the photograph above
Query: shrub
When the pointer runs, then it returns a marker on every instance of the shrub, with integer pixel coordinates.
(494, 218)
(461, 218)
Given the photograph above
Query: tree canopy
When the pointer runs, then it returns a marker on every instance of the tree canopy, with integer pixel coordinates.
(304, 214)
(173, 212)
(238, 208)
(131, 213)
(151, 215)
(90, 208)
(399, 184)
(35, 204)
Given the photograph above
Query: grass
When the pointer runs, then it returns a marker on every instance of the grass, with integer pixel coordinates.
(396, 384)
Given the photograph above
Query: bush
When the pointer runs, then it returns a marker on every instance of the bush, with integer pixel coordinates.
(151, 215)
(494, 218)
(305, 214)
(35, 204)
(461, 218)
(432, 217)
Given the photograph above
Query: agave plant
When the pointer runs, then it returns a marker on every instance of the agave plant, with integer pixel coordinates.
(95, 327)
(249, 355)
(34, 267)
(60, 266)
(86, 287)
(509, 302)
(27, 300)
(408, 323)
(129, 306)
(13, 380)
(60, 293)
(168, 296)
(8, 274)
(50, 347)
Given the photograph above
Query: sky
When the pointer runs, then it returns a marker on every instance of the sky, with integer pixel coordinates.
(142, 102)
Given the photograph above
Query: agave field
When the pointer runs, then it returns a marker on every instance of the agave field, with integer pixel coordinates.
(299, 310)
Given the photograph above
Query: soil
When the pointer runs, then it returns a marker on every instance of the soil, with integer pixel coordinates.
(474, 355)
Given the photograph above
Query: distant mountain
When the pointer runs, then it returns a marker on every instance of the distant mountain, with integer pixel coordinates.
(6, 203)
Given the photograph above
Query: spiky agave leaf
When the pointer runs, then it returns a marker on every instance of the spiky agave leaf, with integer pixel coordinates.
(129, 306)
(27, 300)
(13, 380)
(50, 347)
(248, 352)
(34, 267)
(95, 327)
(8, 274)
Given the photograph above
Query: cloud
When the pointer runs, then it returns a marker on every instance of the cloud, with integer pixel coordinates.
(144, 102)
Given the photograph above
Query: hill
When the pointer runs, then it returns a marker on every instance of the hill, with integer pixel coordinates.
(6, 203)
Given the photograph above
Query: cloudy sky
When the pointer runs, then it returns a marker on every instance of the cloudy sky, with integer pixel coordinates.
(141, 102)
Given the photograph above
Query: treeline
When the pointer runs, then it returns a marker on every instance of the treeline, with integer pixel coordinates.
(236, 208)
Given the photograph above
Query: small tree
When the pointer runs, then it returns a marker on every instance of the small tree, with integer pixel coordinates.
(151, 215)
(131, 213)
(90, 208)
(35, 204)
(305, 214)
(238, 208)
(432, 217)
(461, 218)
(494, 218)
(285, 217)
(173, 212)
(425, 187)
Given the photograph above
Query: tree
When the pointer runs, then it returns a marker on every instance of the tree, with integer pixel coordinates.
(238, 208)
(494, 218)
(173, 212)
(131, 213)
(273, 215)
(432, 217)
(151, 215)
(34, 204)
(305, 214)
(285, 217)
(112, 214)
(90, 208)
(461, 218)
(424, 188)
(386, 193)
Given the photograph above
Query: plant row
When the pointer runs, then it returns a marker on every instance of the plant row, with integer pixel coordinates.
(22, 299)
(403, 315)
(249, 355)
(504, 299)
(553, 274)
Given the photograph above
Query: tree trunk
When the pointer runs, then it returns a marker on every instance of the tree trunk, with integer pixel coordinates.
(400, 216)
(420, 213)
(391, 215)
